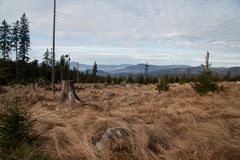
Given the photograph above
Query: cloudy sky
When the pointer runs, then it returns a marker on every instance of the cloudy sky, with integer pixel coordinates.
(134, 31)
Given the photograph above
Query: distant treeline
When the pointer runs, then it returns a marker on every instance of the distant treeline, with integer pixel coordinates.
(35, 72)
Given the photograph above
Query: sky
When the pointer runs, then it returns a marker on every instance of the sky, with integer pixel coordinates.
(161, 32)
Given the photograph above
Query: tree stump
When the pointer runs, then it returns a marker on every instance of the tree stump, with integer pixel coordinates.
(34, 86)
(68, 92)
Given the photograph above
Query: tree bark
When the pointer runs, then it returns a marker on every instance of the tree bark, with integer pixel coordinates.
(68, 92)
(207, 62)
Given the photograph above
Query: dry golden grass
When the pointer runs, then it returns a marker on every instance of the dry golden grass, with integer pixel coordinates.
(136, 123)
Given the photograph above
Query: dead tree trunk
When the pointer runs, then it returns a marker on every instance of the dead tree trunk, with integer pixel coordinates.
(207, 62)
(68, 92)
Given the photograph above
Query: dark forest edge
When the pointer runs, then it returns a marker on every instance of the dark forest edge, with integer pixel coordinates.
(33, 72)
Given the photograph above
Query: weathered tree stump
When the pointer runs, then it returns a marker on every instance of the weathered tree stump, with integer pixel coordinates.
(34, 86)
(68, 92)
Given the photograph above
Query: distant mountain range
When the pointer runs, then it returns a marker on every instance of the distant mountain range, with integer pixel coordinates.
(103, 67)
(154, 70)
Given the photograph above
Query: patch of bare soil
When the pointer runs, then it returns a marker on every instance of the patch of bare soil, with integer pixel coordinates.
(135, 123)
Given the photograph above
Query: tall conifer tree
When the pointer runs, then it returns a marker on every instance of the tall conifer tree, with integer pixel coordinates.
(47, 58)
(5, 40)
(15, 38)
(24, 39)
(15, 31)
(94, 71)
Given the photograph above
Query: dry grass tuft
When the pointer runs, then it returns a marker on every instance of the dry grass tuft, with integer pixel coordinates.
(136, 123)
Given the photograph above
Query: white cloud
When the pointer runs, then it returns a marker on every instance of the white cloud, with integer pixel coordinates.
(185, 25)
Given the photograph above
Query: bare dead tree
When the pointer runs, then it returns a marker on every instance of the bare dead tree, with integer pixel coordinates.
(53, 54)
(207, 62)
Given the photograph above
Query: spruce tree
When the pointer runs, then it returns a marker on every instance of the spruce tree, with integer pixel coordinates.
(24, 39)
(64, 66)
(15, 38)
(15, 30)
(205, 82)
(94, 71)
(47, 58)
(5, 40)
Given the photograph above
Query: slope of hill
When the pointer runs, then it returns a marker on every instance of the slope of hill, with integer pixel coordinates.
(174, 70)
(139, 68)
